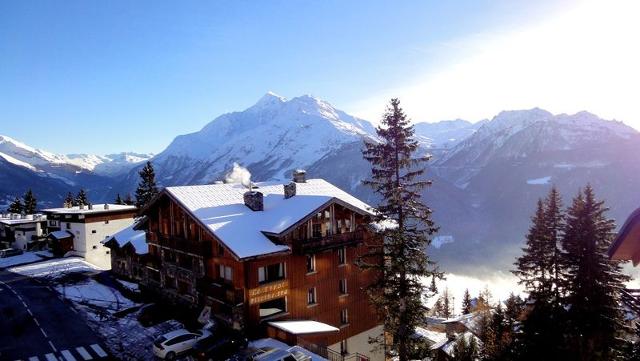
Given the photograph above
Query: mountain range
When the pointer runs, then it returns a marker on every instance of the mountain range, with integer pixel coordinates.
(486, 175)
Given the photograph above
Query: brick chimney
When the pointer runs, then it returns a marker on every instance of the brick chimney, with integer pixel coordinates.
(254, 200)
(289, 190)
(300, 176)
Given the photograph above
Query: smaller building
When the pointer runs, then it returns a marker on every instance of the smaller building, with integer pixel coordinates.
(22, 231)
(129, 251)
(626, 246)
(89, 226)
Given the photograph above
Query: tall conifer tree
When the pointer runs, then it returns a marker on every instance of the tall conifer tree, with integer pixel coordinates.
(69, 200)
(16, 206)
(30, 203)
(81, 198)
(147, 188)
(593, 281)
(401, 260)
(119, 200)
(466, 302)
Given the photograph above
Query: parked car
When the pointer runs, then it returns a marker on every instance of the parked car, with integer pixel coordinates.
(220, 345)
(276, 354)
(152, 314)
(176, 343)
(10, 252)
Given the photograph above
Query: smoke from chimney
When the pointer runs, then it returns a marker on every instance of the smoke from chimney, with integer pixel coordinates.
(238, 174)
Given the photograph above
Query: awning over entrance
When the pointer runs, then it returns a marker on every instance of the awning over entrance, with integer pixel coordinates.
(303, 327)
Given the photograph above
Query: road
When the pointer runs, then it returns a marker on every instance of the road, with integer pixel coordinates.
(37, 325)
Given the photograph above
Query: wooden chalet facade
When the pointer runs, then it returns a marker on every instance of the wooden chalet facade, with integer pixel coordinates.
(626, 246)
(272, 254)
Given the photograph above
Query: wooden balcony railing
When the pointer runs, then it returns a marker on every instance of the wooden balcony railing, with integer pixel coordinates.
(202, 248)
(220, 291)
(328, 242)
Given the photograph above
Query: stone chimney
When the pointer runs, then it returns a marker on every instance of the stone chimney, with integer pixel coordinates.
(300, 176)
(81, 205)
(289, 190)
(106, 206)
(254, 200)
(90, 206)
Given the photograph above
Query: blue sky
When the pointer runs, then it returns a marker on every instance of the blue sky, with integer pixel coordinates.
(110, 76)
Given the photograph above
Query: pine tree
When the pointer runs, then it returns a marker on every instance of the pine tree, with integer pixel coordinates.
(532, 265)
(147, 188)
(81, 198)
(466, 350)
(433, 288)
(447, 304)
(554, 221)
(400, 260)
(128, 200)
(30, 203)
(513, 310)
(119, 200)
(593, 282)
(69, 200)
(466, 302)
(16, 206)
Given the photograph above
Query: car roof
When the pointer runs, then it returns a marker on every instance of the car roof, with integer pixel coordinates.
(176, 333)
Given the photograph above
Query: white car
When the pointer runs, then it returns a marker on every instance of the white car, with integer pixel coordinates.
(176, 343)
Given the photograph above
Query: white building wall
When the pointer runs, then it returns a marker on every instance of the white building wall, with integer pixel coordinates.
(360, 344)
(88, 244)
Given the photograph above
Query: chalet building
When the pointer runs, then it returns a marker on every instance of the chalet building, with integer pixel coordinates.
(626, 246)
(22, 231)
(277, 260)
(129, 251)
(80, 229)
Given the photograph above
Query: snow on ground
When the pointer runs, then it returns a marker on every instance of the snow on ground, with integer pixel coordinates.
(27, 257)
(55, 268)
(95, 294)
(269, 342)
(539, 181)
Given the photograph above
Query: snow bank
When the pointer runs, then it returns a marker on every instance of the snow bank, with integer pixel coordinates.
(27, 257)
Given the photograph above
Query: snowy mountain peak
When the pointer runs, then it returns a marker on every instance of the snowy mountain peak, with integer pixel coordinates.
(269, 100)
(292, 133)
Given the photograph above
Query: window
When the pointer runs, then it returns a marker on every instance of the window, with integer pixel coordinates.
(273, 307)
(93, 231)
(225, 273)
(311, 263)
(68, 225)
(342, 255)
(343, 286)
(311, 296)
(344, 316)
(270, 273)
(317, 230)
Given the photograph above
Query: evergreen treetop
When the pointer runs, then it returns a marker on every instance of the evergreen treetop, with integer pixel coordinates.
(396, 177)
(147, 188)
(16, 206)
(30, 203)
(81, 198)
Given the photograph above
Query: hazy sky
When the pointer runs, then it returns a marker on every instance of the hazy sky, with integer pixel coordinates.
(108, 76)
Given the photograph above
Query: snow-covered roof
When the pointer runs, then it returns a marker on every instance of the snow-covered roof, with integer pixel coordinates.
(448, 346)
(303, 327)
(11, 219)
(97, 208)
(470, 321)
(434, 337)
(129, 235)
(60, 234)
(221, 208)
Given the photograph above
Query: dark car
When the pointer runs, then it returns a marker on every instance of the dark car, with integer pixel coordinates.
(153, 314)
(220, 346)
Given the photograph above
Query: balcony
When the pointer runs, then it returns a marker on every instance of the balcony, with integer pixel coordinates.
(200, 248)
(221, 292)
(328, 242)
